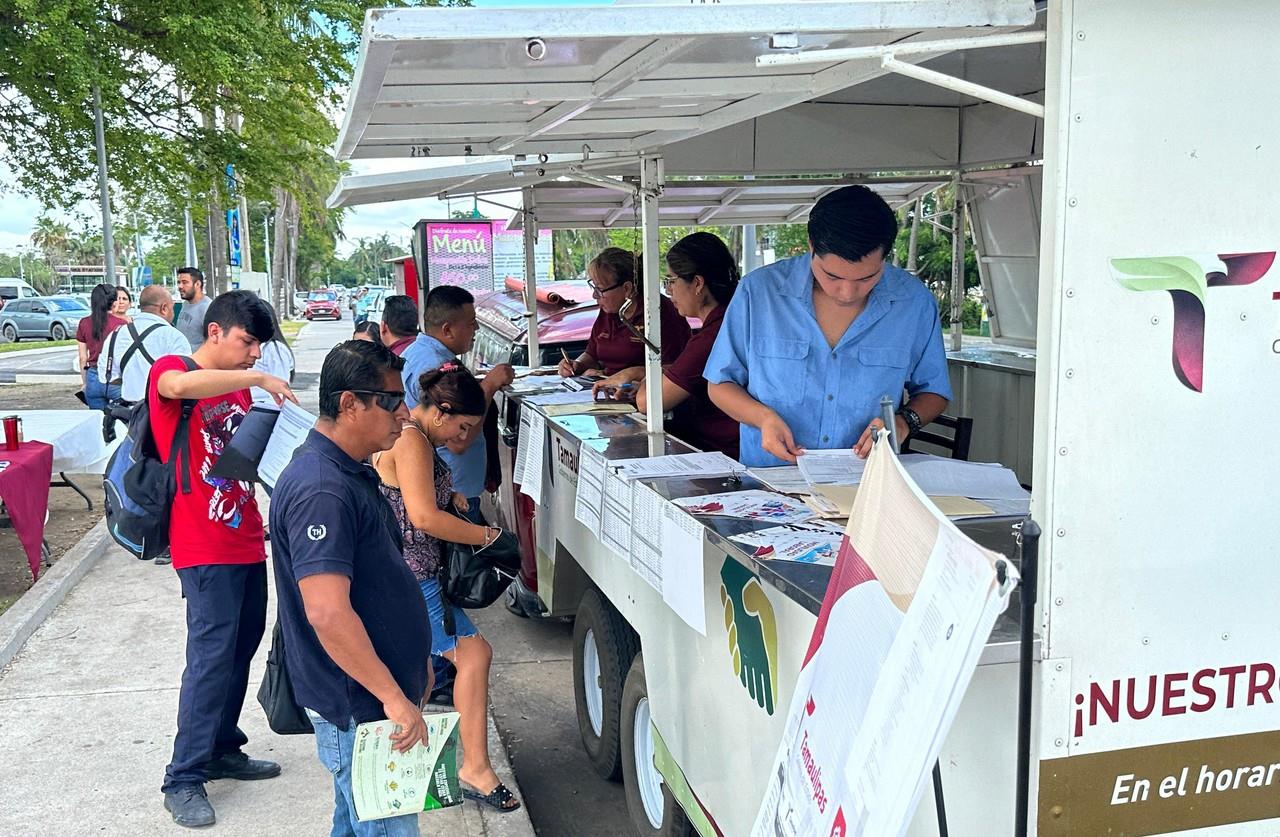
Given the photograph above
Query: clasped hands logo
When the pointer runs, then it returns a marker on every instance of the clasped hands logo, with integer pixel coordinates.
(753, 632)
(1188, 282)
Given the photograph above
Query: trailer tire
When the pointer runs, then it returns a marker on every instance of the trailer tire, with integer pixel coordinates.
(603, 643)
(654, 811)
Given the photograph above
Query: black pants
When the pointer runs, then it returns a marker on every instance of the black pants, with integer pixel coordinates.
(226, 617)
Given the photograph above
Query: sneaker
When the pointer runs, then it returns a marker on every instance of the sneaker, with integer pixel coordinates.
(190, 806)
(240, 766)
(164, 558)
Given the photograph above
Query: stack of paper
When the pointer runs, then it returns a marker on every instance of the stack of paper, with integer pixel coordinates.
(840, 466)
(709, 464)
(786, 479)
(815, 542)
(748, 505)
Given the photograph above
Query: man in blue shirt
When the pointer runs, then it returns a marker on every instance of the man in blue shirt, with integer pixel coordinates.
(810, 344)
(448, 331)
(353, 617)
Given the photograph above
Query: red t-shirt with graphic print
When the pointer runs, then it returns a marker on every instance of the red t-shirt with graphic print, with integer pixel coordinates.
(219, 521)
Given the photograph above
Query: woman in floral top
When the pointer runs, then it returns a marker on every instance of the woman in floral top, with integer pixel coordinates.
(417, 484)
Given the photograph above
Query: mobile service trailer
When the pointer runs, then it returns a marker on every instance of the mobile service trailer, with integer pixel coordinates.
(1155, 301)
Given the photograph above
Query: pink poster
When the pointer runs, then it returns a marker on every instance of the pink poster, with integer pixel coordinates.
(460, 253)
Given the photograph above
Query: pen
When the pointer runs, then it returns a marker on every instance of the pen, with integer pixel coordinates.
(565, 355)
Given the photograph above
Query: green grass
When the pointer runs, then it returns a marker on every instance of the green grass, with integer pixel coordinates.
(291, 328)
(34, 344)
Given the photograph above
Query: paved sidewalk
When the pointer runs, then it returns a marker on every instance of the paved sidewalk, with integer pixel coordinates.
(87, 714)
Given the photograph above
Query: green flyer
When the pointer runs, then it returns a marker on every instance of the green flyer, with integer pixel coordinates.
(390, 784)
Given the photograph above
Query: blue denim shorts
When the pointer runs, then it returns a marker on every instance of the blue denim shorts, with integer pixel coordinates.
(442, 643)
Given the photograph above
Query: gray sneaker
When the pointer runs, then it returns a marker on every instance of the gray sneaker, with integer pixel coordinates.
(164, 558)
(189, 805)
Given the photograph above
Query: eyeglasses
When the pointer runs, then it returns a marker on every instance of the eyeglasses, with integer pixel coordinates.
(591, 283)
(668, 281)
(387, 400)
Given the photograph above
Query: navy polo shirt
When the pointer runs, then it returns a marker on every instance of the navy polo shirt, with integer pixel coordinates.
(327, 516)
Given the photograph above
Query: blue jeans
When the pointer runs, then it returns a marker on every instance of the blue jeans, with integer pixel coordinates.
(473, 511)
(96, 393)
(443, 642)
(335, 748)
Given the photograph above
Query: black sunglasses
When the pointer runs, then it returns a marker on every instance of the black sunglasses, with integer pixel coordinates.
(389, 401)
(591, 283)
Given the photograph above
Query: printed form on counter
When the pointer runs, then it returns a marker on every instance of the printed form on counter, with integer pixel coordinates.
(683, 586)
(815, 542)
(752, 504)
(708, 464)
(589, 503)
(909, 607)
(615, 517)
(535, 454)
(646, 533)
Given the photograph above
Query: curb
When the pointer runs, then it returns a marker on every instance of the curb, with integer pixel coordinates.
(20, 621)
(43, 350)
(46, 377)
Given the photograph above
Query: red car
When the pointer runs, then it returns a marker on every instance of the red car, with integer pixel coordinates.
(322, 304)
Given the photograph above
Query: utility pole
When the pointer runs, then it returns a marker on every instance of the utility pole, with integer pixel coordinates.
(104, 192)
(192, 260)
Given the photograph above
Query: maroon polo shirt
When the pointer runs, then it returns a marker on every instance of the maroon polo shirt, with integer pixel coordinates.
(697, 420)
(397, 348)
(615, 348)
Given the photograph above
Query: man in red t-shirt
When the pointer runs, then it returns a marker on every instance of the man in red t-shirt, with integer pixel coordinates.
(216, 540)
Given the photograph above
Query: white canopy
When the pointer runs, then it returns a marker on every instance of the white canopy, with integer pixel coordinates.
(444, 82)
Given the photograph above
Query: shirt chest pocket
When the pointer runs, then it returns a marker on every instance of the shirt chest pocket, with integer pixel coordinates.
(884, 370)
(780, 372)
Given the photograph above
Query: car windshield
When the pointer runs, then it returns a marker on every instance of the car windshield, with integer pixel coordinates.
(319, 297)
(67, 305)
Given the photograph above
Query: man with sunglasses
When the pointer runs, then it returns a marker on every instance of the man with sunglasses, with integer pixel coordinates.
(354, 619)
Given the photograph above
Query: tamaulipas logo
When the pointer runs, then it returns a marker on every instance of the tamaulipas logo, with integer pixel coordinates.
(1188, 280)
(753, 632)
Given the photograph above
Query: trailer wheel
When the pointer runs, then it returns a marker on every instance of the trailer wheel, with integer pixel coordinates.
(603, 647)
(654, 812)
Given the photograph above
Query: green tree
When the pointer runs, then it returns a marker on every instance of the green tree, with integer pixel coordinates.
(52, 238)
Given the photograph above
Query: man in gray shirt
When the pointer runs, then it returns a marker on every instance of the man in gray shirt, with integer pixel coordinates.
(194, 305)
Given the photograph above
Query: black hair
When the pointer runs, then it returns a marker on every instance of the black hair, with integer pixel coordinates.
(706, 255)
(400, 315)
(444, 303)
(852, 223)
(101, 301)
(453, 385)
(355, 364)
(194, 272)
(622, 265)
(127, 292)
(244, 309)
(368, 327)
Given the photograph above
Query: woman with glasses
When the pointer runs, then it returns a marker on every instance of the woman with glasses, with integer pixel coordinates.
(417, 484)
(701, 278)
(615, 278)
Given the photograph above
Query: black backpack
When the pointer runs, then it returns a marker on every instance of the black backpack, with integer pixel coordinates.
(139, 487)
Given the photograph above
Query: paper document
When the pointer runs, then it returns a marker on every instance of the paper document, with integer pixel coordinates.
(683, 587)
(646, 533)
(546, 399)
(955, 478)
(748, 505)
(531, 485)
(535, 383)
(615, 518)
(840, 466)
(599, 408)
(589, 502)
(710, 464)
(522, 445)
(385, 783)
(785, 479)
(290, 431)
(815, 542)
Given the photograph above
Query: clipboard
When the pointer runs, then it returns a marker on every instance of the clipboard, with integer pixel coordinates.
(240, 460)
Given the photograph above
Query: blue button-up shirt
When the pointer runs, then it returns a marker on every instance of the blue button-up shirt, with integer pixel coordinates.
(424, 354)
(771, 346)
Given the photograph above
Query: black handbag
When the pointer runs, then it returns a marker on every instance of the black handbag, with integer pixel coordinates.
(284, 715)
(473, 576)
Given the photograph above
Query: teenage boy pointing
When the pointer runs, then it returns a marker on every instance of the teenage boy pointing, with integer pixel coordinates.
(216, 540)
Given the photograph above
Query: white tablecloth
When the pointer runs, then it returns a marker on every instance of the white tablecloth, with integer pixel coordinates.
(76, 436)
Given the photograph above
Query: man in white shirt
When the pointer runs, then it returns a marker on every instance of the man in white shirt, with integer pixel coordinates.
(132, 348)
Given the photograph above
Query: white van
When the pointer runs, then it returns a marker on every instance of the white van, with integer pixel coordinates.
(11, 288)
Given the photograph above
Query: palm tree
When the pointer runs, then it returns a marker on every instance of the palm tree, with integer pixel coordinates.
(52, 238)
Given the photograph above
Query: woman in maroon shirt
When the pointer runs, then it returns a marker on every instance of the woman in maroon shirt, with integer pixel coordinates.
(90, 335)
(701, 278)
(615, 276)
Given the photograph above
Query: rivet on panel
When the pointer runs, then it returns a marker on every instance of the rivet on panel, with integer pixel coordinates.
(1243, 316)
(1071, 292)
(1062, 533)
(1057, 742)
(1155, 321)
(1072, 202)
(1059, 667)
(1071, 373)
(1080, 35)
(1062, 451)
(1146, 640)
(1058, 601)
(1226, 637)
(1077, 117)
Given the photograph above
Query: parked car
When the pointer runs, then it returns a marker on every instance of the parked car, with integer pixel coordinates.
(44, 317)
(322, 304)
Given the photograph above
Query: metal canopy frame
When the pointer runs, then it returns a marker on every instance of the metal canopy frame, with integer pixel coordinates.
(441, 82)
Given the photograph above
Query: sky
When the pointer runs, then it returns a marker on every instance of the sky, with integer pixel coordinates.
(18, 213)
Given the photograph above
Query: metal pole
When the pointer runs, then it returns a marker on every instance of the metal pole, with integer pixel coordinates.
(246, 252)
(189, 227)
(530, 229)
(650, 188)
(22, 274)
(957, 269)
(1029, 539)
(914, 240)
(750, 249)
(104, 193)
(266, 254)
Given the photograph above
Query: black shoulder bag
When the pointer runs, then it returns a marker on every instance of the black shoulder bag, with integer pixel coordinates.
(476, 576)
(284, 715)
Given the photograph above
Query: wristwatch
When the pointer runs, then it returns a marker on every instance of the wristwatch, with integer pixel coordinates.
(912, 418)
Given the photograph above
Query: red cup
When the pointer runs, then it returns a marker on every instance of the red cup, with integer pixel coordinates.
(12, 435)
